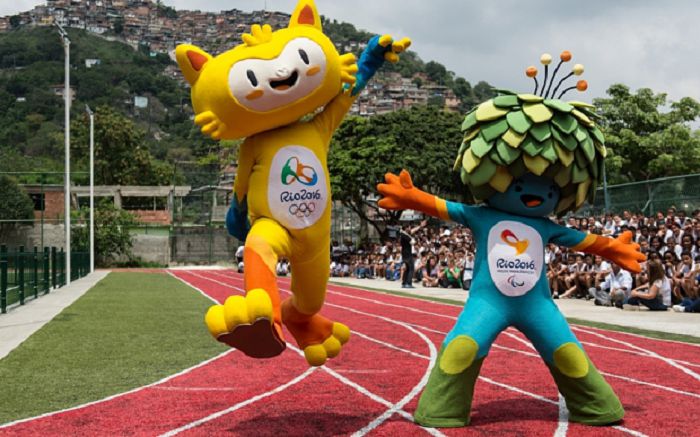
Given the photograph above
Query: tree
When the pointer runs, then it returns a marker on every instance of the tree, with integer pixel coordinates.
(16, 203)
(424, 140)
(112, 236)
(119, 25)
(15, 21)
(121, 157)
(647, 143)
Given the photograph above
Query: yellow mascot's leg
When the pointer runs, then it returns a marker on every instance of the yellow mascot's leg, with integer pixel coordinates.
(319, 337)
(252, 324)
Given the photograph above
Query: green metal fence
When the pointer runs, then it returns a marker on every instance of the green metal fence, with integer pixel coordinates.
(28, 274)
(648, 197)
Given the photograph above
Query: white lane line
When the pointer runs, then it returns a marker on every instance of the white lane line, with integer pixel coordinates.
(563, 425)
(611, 375)
(653, 354)
(623, 429)
(631, 334)
(239, 405)
(109, 398)
(345, 380)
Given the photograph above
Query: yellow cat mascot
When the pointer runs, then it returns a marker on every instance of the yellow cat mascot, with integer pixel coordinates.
(259, 91)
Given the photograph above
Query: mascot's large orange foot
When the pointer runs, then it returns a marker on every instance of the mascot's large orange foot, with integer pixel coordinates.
(319, 337)
(247, 324)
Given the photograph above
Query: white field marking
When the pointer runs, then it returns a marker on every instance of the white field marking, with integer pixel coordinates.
(563, 425)
(174, 388)
(109, 398)
(402, 412)
(651, 353)
(640, 336)
(390, 346)
(544, 399)
(378, 302)
(414, 391)
(239, 405)
(633, 352)
(612, 375)
(330, 371)
(523, 341)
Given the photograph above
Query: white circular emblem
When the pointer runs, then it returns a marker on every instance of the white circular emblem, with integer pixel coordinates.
(296, 189)
(515, 253)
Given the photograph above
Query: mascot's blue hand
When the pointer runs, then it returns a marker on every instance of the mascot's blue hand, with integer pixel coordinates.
(379, 49)
(237, 222)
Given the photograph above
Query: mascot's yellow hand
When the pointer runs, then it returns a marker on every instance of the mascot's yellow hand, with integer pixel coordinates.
(210, 123)
(392, 53)
(398, 191)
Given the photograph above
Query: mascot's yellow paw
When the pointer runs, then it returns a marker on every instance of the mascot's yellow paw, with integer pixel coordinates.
(247, 324)
(317, 354)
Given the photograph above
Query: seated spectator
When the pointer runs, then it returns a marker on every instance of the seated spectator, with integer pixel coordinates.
(468, 271)
(614, 289)
(658, 286)
(282, 267)
(430, 273)
(449, 276)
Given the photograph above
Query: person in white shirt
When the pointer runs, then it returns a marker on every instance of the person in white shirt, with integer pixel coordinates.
(658, 290)
(614, 289)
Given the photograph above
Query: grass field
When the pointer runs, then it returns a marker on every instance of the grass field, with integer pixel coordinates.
(131, 329)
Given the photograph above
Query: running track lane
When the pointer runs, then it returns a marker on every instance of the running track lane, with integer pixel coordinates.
(652, 377)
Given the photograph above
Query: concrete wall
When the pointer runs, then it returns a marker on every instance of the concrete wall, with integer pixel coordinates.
(202, 245)
(30, 235)
(152, 248)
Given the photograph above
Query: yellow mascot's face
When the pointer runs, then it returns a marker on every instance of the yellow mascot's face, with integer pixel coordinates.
(271, 80)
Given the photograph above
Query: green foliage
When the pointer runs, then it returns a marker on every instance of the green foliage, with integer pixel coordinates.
(16, 204)
(120, 156)
(649, 135)
(112, 237)
(420, 139)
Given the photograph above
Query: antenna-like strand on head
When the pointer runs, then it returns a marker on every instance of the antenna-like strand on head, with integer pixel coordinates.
(577, 71)
(532, 72)
(565, 56)
(581, 85)
(545, 60)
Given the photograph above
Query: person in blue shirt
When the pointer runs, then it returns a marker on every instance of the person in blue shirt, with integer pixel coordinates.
(510, 288)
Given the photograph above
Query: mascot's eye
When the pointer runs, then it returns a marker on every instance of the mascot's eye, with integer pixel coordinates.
(251, 77)
(304, 56)
(518, 188)
(549, 195)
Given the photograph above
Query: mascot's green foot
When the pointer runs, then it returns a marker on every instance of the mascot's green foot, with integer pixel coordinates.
(589, 398)
(447, 399)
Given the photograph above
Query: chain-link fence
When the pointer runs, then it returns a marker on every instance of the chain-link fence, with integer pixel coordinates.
(648, 197)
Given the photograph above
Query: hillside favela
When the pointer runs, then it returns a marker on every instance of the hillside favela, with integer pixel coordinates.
(152, 26)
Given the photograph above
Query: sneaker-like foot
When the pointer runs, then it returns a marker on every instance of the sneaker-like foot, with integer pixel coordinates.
(679, 308)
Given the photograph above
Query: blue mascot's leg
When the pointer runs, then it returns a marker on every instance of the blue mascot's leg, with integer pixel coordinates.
(588, 396)
(447, 398)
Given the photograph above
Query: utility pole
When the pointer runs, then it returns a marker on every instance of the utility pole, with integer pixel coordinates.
(66, 189)
(92, 187)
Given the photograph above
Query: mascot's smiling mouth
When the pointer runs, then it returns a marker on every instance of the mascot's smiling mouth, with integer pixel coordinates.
(285, 84)
(531, 201)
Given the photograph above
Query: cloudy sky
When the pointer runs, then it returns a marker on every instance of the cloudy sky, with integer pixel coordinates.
(640, 43)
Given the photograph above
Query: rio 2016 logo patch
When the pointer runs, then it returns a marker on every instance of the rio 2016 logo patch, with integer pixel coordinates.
(297, 192)
(515, 257)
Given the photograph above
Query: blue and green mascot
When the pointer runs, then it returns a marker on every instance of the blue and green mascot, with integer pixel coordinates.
(524, 157)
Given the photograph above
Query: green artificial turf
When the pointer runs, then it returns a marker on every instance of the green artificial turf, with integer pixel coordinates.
(610, 327)
(130, 330)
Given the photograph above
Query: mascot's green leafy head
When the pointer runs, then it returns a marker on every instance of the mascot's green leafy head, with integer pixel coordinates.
(514, 134)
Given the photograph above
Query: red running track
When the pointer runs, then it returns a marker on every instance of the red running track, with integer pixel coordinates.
(373, 386)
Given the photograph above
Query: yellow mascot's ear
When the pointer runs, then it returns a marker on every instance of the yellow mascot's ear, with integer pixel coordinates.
(191, 60)
(305, 14)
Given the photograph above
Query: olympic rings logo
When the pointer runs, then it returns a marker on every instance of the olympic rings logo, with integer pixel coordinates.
(302, 209)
